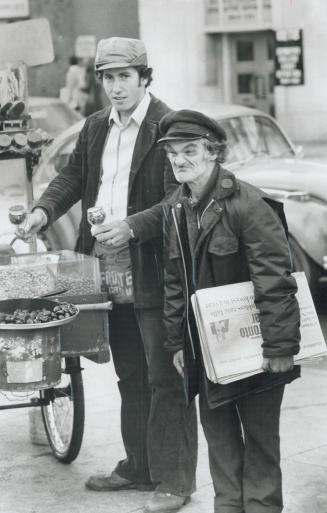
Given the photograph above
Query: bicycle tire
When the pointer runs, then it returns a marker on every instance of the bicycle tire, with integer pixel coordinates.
(64, 415)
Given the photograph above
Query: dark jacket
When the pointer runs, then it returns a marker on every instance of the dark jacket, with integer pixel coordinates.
(150, 179)
(242, 238)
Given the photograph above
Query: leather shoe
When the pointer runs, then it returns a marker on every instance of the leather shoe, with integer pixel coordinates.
(161, 502)
(113, 483)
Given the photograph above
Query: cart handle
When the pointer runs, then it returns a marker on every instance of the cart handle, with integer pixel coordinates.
(96, 306)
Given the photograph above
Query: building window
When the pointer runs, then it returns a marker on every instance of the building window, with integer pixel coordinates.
(271, 82)
(270, 49)
(244, 51)
(244, 83)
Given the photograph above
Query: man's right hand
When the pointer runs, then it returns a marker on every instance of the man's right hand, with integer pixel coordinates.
(32, 224)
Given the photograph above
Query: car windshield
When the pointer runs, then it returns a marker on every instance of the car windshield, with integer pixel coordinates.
(253, 136)
(54, 118)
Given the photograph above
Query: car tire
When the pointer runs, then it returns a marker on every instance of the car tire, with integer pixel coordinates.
(302, 262)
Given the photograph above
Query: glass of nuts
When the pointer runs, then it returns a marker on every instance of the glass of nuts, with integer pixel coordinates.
(96, 215)
(17, 214)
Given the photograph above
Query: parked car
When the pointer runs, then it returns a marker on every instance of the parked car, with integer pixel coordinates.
(61, 234)
(260, 153)
(51, 114)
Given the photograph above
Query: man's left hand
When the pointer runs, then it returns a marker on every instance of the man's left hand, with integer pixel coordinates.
(113, 234)
(278, 364)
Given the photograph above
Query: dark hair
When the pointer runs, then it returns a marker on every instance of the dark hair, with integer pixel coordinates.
(146, 73)
(143, 71)
(217, 148)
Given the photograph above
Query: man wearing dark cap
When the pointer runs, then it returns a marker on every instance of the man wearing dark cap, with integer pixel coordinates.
(218, 231)
(117, 165)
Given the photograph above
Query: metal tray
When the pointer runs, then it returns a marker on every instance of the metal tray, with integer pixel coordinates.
(10, 305)
(40, 325)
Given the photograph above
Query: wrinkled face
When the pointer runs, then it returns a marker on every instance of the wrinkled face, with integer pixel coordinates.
(190, 160)
(124, 88)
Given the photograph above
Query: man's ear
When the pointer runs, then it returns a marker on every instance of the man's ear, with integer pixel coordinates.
(211, 156)
(222, 154)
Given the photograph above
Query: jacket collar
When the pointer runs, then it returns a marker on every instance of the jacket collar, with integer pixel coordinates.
(226, 185)
(137, 115)
(146, 139)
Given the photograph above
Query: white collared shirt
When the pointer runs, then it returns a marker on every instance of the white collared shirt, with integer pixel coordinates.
(117, 159)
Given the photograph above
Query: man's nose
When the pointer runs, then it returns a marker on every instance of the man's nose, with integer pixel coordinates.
(116, 86)
(179, 159)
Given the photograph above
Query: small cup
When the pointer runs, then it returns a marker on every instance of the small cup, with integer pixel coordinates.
(17, 214)
(96, 215)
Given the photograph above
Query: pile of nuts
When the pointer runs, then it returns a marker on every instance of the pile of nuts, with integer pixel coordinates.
(17, 281)
(20, 316)
(76, 284)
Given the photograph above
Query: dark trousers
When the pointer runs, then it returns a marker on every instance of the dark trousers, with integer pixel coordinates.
(244, 452)
(159, 432)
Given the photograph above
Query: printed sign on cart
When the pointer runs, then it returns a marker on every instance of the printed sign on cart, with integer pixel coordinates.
(29, 371)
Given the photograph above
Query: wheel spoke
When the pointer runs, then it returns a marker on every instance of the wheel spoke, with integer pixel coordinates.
(59, 415)
(63, 416)
(63, 392)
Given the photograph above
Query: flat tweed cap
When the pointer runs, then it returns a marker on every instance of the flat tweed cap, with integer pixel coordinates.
(120, 52)
(189, 125)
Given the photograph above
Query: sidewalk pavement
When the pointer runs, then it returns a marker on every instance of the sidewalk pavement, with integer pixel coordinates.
(33, 481)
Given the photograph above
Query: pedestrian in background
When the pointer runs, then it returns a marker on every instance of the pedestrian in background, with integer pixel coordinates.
(93, 97)
(117, 164)
(75, 81)
(218, 231)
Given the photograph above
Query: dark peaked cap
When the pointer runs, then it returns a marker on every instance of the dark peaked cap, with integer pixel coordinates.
(189, 125)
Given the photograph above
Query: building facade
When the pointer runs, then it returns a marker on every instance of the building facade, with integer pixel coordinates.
(69, 20)
(267, 54)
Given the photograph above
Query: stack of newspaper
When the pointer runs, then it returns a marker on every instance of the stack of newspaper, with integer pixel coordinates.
(230, 335)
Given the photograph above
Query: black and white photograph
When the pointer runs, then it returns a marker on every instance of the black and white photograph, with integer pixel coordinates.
(163, 256)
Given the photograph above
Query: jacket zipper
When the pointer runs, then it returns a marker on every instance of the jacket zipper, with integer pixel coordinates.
(210, 202)
(186, 284)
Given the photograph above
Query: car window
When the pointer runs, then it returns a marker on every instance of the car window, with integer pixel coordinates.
(252, 136)
(51, 164)
(60, 159)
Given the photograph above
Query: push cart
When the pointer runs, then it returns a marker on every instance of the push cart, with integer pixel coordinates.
(41, 358)
(45, 357)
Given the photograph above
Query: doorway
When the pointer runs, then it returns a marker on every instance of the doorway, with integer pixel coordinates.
(252, 69)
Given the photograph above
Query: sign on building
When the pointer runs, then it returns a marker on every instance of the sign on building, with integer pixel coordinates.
(229, 15)
(289, 57)
(85, 47)
(12, 9)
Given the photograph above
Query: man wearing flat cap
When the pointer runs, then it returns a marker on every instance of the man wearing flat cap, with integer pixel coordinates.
(117, 165)
(218, 231)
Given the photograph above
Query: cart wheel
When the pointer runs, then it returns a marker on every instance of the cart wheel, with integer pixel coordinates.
(63, 417)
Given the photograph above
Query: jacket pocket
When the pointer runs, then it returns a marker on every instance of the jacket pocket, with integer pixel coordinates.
(223, 245)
